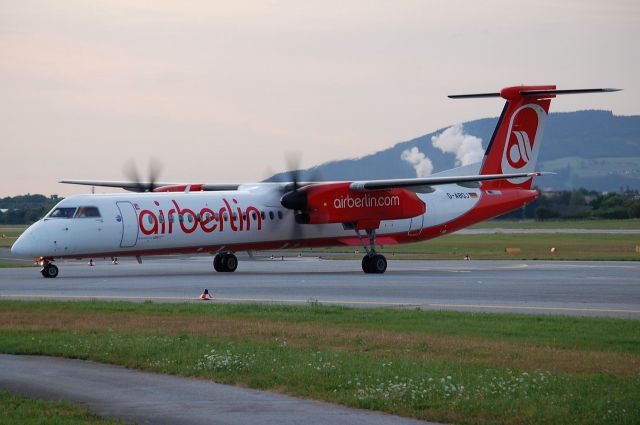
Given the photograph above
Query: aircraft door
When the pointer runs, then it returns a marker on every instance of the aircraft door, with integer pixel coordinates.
(129, 220)
(415, 227)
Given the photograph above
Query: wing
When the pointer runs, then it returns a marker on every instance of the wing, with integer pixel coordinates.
(135, 186)
(417, 184)
(420, 183)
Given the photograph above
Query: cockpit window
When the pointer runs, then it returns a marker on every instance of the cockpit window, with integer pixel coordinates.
(62, 212)
(85, 212)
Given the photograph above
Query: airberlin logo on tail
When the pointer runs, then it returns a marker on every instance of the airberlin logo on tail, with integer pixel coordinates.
(525, 132)
(519, 153)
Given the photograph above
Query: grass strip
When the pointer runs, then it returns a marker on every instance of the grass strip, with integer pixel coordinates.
(32, 411)
(631, 223)
(388, 360)
(594, 247)
(559, 332)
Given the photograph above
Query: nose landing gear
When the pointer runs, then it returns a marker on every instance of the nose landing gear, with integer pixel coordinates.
(225, 262)
(49, 270)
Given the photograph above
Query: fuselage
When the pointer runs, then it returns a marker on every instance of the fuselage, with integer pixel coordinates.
(250, 218)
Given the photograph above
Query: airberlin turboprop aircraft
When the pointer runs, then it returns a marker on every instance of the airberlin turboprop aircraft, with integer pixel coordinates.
(221, 219)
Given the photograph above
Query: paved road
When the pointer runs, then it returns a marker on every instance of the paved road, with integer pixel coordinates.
(149, 398)
(602, 288)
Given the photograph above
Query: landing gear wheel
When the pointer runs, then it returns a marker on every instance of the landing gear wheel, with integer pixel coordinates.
(225, 262)
(376, 263)
(366, 264)
(49, 271)
(217, 263)
(379, 264)
(230, 263)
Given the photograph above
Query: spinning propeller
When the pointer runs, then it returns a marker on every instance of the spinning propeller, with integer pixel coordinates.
(131, 171)
(293, 198)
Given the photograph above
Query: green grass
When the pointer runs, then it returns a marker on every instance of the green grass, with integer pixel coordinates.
(27, 411)
(632, 223)
(565, 332)
(9, 234)
(533, 246)
(468, 368)
(593, 247)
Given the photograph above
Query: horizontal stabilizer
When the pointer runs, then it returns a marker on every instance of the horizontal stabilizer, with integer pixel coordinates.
(534, 93)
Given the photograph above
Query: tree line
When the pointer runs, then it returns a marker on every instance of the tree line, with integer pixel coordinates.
(568, 204)
(25, 209)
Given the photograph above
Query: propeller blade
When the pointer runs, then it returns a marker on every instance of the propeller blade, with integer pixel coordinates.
(154, 172)
(130, 170)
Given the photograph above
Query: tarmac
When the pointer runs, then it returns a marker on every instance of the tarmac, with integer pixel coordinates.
(599, 288)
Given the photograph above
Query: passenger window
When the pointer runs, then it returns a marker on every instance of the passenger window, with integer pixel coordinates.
(254, 216)
(180, 218)
(149, 219)
(263, 215)
(271, 215)
(280, 215)
(62, 212)
(170, 218)
(189, 218)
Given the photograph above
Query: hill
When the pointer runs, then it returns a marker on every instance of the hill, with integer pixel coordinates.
(592, 149)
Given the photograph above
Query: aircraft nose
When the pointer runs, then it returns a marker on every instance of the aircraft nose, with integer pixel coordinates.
(26, 245)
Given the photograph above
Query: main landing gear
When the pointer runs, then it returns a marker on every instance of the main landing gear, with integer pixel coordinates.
(225, 262)
(372, 262)
(48, 270)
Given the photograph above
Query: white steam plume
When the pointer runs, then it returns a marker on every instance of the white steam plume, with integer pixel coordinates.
(467, 148)
(422, 164)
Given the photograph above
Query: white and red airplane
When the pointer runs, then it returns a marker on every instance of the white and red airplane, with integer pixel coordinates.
(221, 219)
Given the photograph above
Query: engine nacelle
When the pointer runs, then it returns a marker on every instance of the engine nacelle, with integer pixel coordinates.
(337, 203)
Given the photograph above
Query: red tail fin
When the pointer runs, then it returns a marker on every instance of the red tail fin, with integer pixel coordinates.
(516, 140)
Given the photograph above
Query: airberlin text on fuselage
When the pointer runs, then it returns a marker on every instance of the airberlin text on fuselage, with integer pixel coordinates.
(187, 220)
(366, 201)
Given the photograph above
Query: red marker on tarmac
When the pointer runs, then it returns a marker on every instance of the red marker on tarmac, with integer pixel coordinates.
(206, 296)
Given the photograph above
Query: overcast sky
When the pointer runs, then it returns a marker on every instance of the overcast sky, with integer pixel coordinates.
(223, 91)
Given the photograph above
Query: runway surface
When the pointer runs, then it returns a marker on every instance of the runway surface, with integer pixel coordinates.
(602, 288)
(149, 398)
